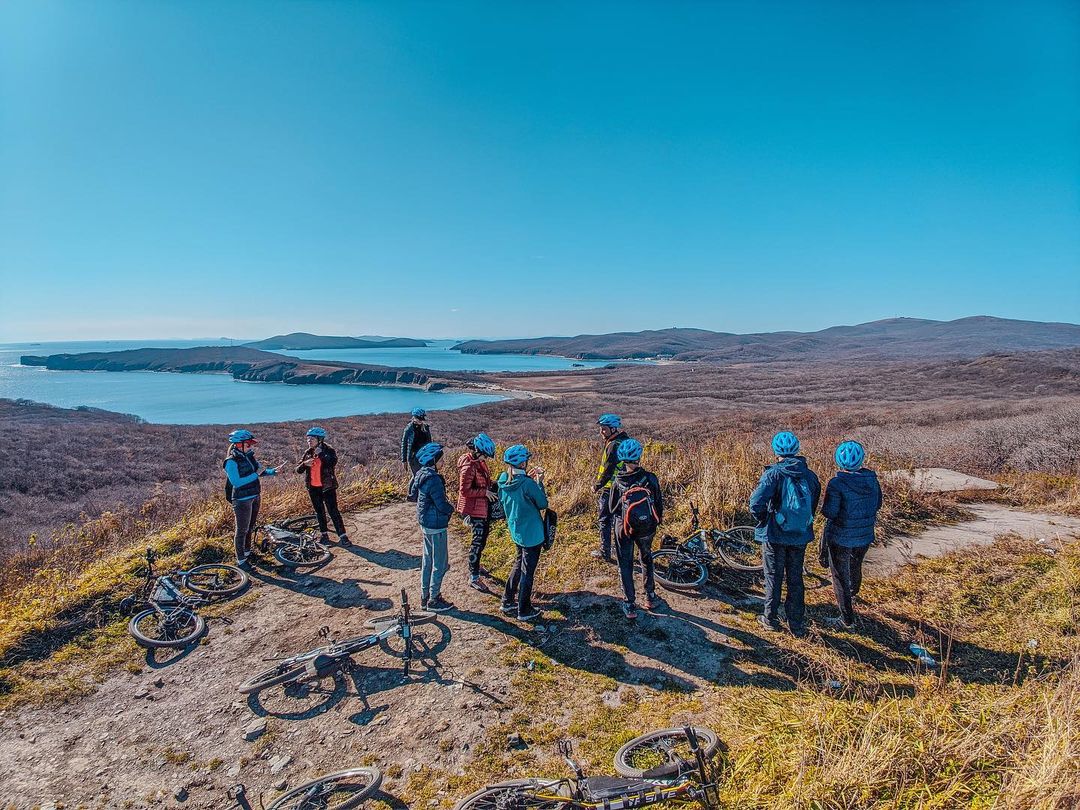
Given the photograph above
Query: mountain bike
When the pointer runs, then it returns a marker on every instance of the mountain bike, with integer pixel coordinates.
(671, 765)
(332, 658)
(295, 544)
(334, 791)
(684, 565)
(170, 620)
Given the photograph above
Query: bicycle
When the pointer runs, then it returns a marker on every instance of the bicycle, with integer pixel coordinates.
(294, 542)
(671, 765)
(171, 620)
(684, 565)
(328, 660)
(334, 791)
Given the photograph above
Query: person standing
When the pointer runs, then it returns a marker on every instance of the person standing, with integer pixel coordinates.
(783, 504)
(318, 468)
(850, 507)
(523, 500)
(417, 434)
(613, 435)
(433, 510)
(474, 499)
(637, 509)
(243, 488)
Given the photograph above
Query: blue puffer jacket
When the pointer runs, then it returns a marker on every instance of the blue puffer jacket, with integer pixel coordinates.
(852, 500)
(428, 489)
(766, 498)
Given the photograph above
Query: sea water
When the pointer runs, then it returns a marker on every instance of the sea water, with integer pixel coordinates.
(192, 399)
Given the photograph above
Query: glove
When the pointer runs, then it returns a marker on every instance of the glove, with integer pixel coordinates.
(270, 471)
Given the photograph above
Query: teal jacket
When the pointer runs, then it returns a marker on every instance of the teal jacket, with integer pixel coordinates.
(522, 500)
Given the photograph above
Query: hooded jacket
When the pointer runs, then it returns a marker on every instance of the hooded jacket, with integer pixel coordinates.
(428, 489)
(626, 480)
(523, 499)
(765, 500)
(474, 480)
(851, 504)
(326, 470)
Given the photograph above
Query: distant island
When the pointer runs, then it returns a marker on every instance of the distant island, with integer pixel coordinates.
(892, 339)
(304, 341)
(245, 363)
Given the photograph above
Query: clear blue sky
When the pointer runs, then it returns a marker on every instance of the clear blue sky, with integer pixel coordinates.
(243, 168)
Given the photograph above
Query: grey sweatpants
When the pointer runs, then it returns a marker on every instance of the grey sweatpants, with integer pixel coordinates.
(434, 564)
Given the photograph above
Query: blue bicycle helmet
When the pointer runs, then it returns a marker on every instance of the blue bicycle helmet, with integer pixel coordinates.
(429, 453)
(610, 420)
(517, 456)
(784, 443)
(484, 444)
(317, 432)
(419, 413)
(241, 435)
(850, 455)
(630, 450)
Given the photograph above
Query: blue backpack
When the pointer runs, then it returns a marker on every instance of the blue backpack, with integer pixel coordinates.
(794, 513)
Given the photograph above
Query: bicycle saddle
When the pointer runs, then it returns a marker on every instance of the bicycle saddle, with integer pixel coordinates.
(599, 788)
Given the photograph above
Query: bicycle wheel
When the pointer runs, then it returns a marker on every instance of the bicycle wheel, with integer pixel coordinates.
(284, 672)
(664, 753)
(296, 556)
(739, 549)
(678, 572)
(216, 580)
(335, 791)
(175, 628)
(415, 617)
(515, 793)
(305, 523)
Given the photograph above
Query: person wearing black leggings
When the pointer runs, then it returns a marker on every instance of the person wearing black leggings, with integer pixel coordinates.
(317, 467)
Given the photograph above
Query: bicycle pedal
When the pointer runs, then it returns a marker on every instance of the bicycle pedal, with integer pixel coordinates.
(324, 631)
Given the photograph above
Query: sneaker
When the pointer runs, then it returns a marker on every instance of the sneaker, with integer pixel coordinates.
(600, 555)
(424, 602)
(476, 584)
(651, 601)
(628, 610)
(509, 609)
(439, 605)
(344, 540)
(243, 563)
(797, 631)
(838, 621)
(528, 617)
(772, 627)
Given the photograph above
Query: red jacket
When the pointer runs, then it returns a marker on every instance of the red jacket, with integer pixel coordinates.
(473, 482)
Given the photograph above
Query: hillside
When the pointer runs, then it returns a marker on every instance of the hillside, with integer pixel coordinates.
(893, 339)
(301, 341)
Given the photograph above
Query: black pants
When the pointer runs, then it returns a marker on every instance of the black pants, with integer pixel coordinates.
(605, 521)
(519, 584)
(784, 563)
(325, 500)
(624, 547)
(481, 528)
(846, 567)
(247, 516)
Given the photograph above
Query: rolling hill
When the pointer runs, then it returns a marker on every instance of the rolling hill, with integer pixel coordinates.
(301, 341)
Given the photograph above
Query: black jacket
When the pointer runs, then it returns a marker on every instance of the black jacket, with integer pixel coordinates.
(609, 462)
(851, 504)
(414, 437)
(626, 480)
(329, 462)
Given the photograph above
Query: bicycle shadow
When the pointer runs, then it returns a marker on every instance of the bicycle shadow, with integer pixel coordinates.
(257, 702)
(172, 655)
(393, 559)
(347, 593)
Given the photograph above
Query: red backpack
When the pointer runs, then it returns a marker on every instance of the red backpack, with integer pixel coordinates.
(639, 518)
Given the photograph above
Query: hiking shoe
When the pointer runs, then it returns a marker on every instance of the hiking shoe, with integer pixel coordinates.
(838, 621)
(772, 627)
(477, 585)
(509, 609)
(628, 610)
(424, 602)
(651, 601)
(344, 540)
(528, 617)
(243, 563)
(600, 555)
(439, 605)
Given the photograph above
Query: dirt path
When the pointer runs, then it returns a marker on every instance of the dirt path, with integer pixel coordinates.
(991, 521)
(177, 728)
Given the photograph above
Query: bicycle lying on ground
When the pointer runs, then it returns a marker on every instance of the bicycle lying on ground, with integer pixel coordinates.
(332, 658)
(170, 620)
(294, 542)
(671, 765)
(334, 791)
(684, 565)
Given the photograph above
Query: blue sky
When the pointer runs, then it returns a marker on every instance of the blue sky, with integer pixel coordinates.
(217, 168)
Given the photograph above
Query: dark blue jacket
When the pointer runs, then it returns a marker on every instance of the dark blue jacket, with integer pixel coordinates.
(428, 489)
(766, 498)
(851, 504)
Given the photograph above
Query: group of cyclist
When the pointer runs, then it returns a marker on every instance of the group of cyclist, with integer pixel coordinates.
(630, 509)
